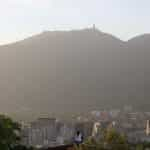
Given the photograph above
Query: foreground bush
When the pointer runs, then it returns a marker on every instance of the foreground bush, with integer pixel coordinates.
(9, 133)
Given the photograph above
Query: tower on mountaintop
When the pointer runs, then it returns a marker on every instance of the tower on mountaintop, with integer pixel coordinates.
(94, 27)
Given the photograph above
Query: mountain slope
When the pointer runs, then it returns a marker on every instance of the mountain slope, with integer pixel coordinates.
(73, 71)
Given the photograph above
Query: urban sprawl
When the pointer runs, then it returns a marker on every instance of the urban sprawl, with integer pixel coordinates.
(51, 132)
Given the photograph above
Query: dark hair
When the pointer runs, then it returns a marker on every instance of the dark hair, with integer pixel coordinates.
(78, 132)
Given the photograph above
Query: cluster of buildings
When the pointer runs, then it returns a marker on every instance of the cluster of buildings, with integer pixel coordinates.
(134, 124)
(49, 132)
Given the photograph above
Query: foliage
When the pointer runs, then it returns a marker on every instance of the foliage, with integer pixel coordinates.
(114, 140)
(139, 147)
(9, 133)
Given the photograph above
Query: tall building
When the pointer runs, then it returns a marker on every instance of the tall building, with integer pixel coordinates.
(147, 128)
(42, 132)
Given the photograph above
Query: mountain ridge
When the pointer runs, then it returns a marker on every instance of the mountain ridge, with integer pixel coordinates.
(73, 71)
(75, 30)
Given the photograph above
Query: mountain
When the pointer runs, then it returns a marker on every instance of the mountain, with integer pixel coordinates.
(74, 71)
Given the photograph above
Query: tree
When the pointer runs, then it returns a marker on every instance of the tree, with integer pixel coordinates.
(139, 147)
(9, 133)
(114, 140)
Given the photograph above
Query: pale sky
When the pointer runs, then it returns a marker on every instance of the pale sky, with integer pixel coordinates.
(122, 18)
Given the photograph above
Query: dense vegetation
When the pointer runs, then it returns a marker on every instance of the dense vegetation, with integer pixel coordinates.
(10, 135)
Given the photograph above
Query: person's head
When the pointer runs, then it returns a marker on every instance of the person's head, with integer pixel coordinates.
(78, 132)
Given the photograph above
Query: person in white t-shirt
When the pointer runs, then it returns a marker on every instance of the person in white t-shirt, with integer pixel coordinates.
(78, 138)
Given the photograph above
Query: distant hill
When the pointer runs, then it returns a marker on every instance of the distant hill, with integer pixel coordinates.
(74, 71)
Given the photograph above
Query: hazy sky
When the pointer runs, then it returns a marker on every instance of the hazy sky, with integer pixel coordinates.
(123, 18)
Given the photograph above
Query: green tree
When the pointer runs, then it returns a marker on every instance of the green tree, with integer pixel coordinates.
(114, 140)
(9, 133)
(139, 147)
